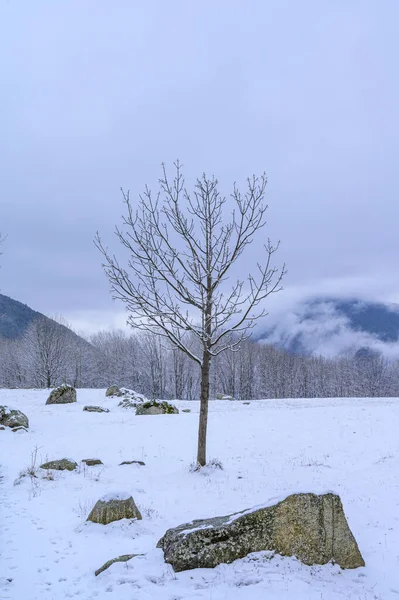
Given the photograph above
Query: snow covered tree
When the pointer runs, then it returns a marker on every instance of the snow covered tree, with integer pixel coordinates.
(181, 252)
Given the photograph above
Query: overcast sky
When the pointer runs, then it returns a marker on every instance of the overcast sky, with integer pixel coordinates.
(95, 94)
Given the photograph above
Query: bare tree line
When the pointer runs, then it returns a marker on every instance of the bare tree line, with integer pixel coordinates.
(49, 355)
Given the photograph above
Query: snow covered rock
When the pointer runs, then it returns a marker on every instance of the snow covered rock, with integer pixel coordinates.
(64, 464)
(99, 409)
(311, 527)
(123, 558)
(156, 408)
(224, 397)
(113, 390)
(131, 399)
(13, 418)
(114, 507)
(65, 394)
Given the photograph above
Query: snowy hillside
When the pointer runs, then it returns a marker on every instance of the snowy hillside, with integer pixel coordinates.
(268, 449)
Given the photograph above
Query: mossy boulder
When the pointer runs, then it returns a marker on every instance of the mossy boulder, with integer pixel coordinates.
(114, 507)
(13, 418)
(113, 390)
(156, 408)
(92, 462)
(311, 527)
(64, 464)
(65, 394)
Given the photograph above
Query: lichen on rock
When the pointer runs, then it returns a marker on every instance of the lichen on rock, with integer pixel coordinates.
(311, 527)
(152, 407)
(114, 507)
(64, 394)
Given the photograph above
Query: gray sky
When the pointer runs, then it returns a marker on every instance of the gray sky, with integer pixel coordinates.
(95, 94)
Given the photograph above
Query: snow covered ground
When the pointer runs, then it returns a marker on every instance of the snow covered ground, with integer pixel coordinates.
(268, 449)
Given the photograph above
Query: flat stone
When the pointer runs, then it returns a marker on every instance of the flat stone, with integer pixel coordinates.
(64, 464)
(123, 558)
(98, 409)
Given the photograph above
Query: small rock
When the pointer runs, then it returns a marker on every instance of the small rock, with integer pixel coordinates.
(186, 410)
(20, 429)
(113, 508)
(92, 462)
(99, 409)
(65, 394)
(113, 390)
(246, 403)
(2, 428)
(64, 464)
(156, 408)
(132, 462)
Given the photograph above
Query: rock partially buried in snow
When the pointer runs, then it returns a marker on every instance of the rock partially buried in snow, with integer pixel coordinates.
(92, 462)
(311, 527)
(156, 408)
(98, 409)
(65, 394)
(132, 462)
(13, 418)
(124, 558)
(114, 507)
(113, 390)
(64, 464)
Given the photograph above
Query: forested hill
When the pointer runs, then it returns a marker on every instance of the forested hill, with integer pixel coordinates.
(15, 317)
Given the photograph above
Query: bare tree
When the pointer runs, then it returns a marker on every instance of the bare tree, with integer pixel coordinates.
(181, 253)
(47, 346)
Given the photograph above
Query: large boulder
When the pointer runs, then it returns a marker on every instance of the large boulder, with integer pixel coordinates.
(311, 527)
(13, 418)
(114, 507)
(65, 394)
(64, 464)
(113, 390)
(156, 408)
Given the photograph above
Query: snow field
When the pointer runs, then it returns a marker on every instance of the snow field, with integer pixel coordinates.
(269, 449)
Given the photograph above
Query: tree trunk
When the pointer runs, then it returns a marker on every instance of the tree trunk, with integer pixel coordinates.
(204, 399)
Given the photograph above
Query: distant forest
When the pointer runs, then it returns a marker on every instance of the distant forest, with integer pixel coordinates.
(48, 353)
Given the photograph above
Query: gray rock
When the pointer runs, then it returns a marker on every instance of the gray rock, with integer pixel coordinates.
(113, 508)
(13, 418)
(132, 462)
(312, 528)
(65, 394)
(64, 464)
(16, 429)
(186, 410)
(113, 390)
(2, 428)
(92, 462)
(124, 558)
(224, 397)
(156, 408)
(99, 409)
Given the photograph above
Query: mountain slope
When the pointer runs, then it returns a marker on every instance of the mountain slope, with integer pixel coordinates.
(15, 317)
(332, 326)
